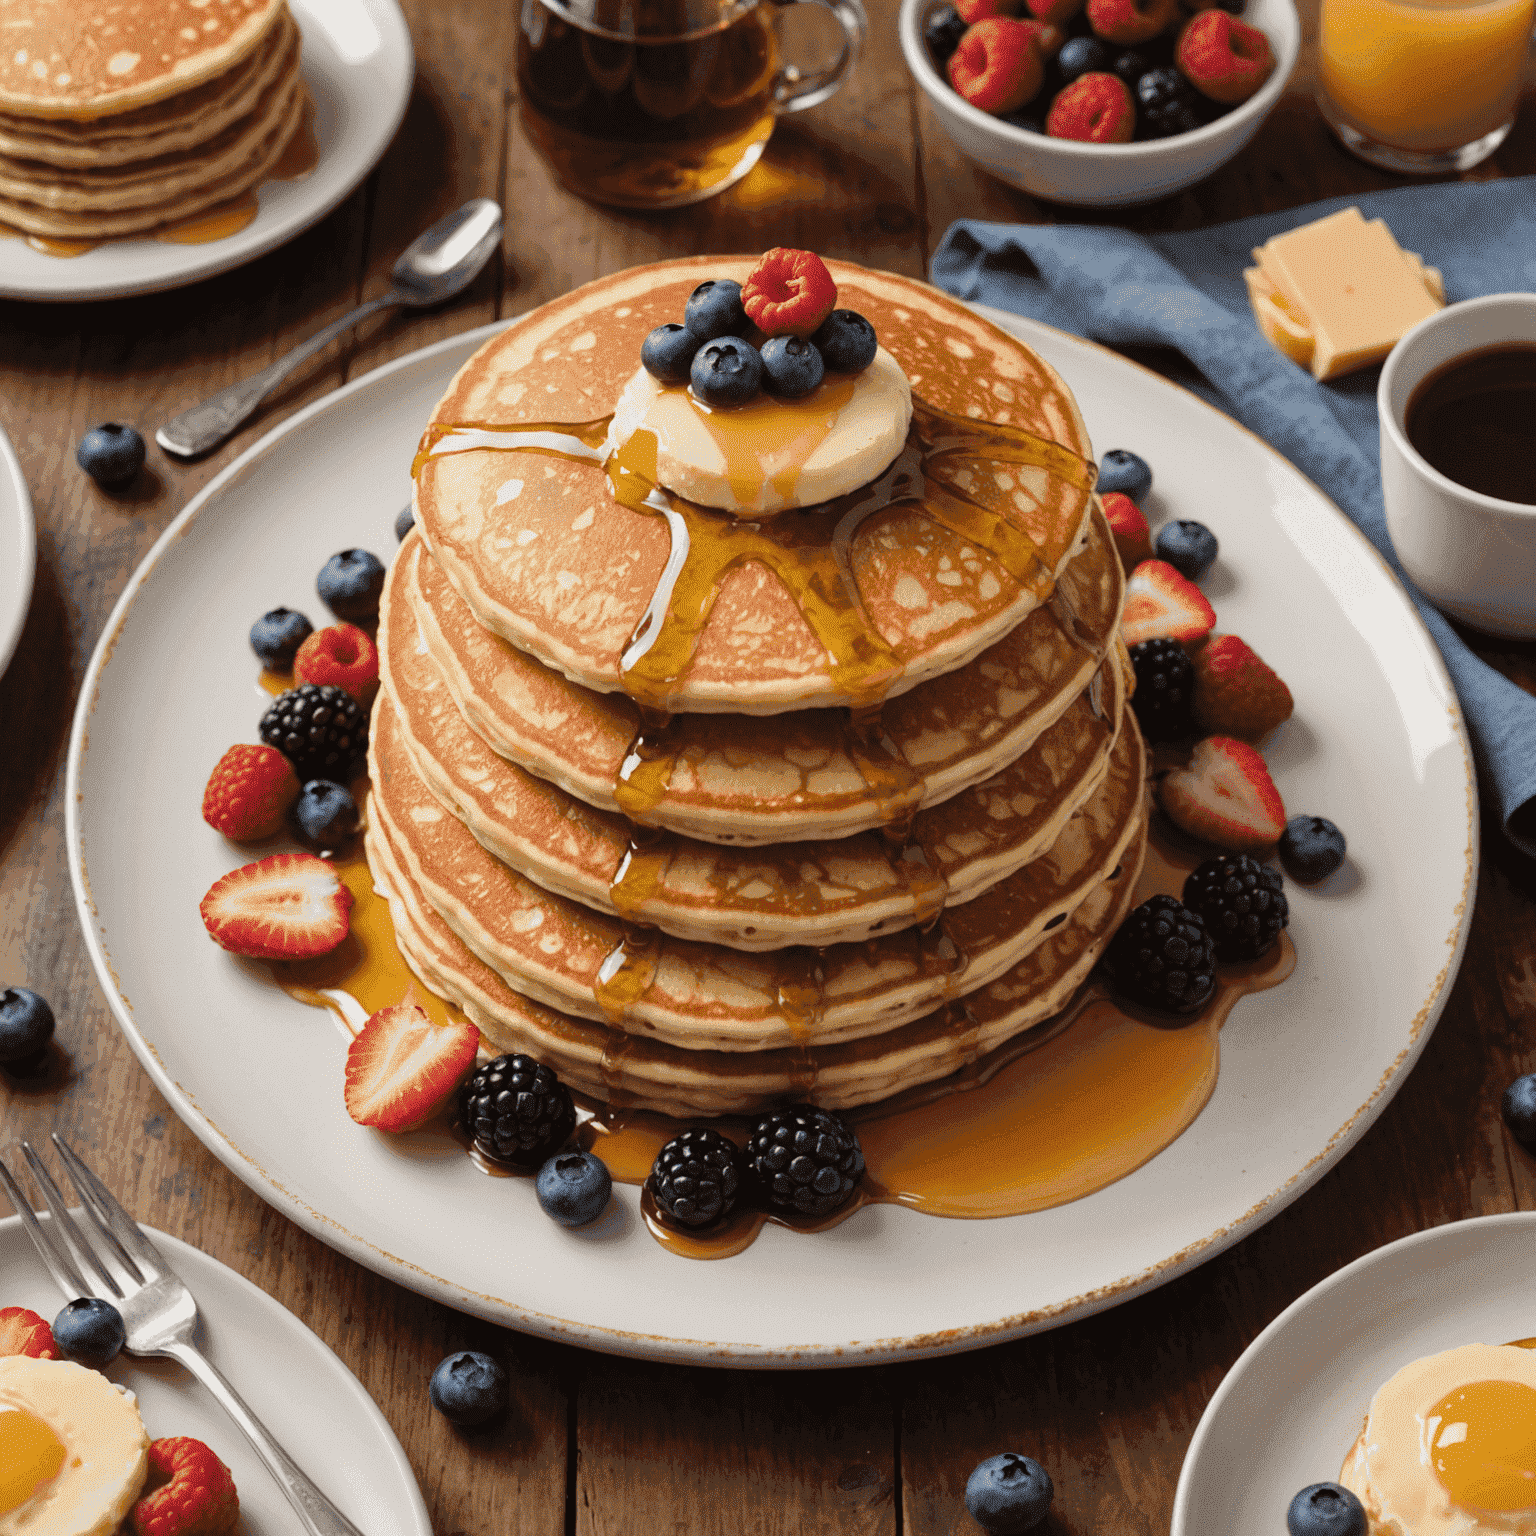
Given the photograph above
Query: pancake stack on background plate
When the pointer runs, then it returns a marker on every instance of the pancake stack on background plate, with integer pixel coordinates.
(802, 901)
(117, 119)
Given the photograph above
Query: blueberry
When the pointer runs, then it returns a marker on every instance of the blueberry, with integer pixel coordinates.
(667, 353)
(714, 309)
(1189, 547)
(90, 1330)
(350, 584)
(1008, 1494)
(1126, 472)
(1311, 848)
(1129, 66)
(1081, 56)
(405, 520)
(942, 32)
(277, 635)
(1325, 1509)
(792, 367)
(468, 1388)
(846, 341)
(573, 1188)
(26, 1027)
(326, 813)
(1518, 1107)
(1166, 103)
(111, 454)
(726, 371)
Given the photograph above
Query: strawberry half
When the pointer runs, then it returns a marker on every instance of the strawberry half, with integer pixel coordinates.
(1225, 796)
(1161, 604)
(25, 1333)
(1133, 539)
(1236, 693)
(402, 1068)
(291, 906)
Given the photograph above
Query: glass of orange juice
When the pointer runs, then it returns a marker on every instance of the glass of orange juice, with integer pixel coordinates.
(1422, 85)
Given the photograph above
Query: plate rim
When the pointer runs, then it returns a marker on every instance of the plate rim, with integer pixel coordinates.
(11, 1226)
(382, 133)
(1344, 1275)
(671, 1347)
(10, 467)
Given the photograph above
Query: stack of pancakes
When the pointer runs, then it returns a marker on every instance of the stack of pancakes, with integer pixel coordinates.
(120, 118)
(804, 901)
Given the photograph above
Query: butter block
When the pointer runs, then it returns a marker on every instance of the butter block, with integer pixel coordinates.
(1346, 285)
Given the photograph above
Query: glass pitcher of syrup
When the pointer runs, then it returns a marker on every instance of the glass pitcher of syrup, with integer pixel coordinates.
(657, 103)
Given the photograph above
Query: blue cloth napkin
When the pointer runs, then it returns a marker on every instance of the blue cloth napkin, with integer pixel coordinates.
(1186, 291)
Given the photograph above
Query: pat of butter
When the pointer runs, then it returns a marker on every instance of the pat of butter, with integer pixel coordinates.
(1338, 294)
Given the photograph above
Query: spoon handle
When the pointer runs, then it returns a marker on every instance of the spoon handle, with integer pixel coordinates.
(202, 428)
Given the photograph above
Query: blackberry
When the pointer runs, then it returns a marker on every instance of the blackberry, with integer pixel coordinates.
(806, 1159)
(1165, 103)
(943, 32)
(1165, 686)
(517, 1110)
(1241, 902)
(696, 1177)
(320, 729)
(1163, 957)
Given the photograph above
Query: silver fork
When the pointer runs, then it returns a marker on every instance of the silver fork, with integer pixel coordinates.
(159, 1312)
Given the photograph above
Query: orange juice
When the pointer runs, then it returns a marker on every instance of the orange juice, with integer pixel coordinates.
(1429, 76)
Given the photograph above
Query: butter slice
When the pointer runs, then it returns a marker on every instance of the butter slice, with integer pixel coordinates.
(1344, 285)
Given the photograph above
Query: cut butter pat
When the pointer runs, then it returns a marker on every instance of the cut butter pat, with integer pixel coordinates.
(1339, 294)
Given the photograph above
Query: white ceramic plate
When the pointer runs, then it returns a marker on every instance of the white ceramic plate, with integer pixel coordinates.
(311, 1402)
(1289, 1410)
(359, 66)
(1377, 745)
(18, 551)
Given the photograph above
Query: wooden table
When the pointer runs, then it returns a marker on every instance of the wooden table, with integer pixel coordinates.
(597, 1445)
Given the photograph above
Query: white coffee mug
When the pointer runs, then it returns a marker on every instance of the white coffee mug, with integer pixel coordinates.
(1473, 556)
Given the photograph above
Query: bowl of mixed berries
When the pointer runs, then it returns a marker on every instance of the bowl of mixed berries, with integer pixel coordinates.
(1101, 103)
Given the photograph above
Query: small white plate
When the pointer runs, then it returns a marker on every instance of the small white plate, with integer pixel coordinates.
(313, 1405)
(1290, 1409)
(18, 551)
(359, 66)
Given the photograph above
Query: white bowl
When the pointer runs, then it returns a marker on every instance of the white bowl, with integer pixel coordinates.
(1101, 175)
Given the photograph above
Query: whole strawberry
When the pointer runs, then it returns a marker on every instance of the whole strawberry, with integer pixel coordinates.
(25, 1333)
(1236, 693)
(188, 1492)
(1133, 539)
(249, 793)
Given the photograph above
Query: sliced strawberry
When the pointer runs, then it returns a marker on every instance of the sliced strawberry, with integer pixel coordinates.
(25, 1333)
(1133, 539)
(1236, 693)
(789, 293)
(1225, 796)
(1161, 604)
(291, 906)
(402, 1068)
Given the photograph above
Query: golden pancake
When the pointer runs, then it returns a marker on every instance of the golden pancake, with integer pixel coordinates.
(689, 610)
(817, 893)
(649, 1074)
(87, 58)
(564, 954)
(810, 774)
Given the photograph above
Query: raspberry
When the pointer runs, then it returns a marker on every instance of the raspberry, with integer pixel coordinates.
(789, 293)
(343, 656)
(249, 793)
(25, 1333)
(1094, 109)
(997, 66)
(189, 1492)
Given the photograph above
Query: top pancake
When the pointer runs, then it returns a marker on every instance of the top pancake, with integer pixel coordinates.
(544, 555)
(87, 58)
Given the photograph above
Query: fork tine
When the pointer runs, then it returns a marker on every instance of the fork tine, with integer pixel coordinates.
(56, 1259)
(137, 1250)
(63, 1224)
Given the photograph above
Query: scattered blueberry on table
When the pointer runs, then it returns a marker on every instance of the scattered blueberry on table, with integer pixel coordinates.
(469, 1388)
(26, 1027)
(1311, 848)
(111, 454)
(277, 635)
(1325, 1509)
(573, 1188)
(350, 583)
(90, 1331)
(1518, 1107)
(1009, 1494)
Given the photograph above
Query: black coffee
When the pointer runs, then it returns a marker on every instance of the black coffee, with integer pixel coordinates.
(1474, 419)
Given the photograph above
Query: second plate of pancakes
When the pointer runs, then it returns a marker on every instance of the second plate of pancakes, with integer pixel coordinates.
(116, 179)
(1376, 745)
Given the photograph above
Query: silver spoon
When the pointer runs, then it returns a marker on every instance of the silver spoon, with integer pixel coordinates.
(437, 264)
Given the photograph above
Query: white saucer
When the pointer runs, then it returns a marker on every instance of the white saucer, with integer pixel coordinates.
(18, 551)
(1291, 1407)
(314, 1406)
(359, 66)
